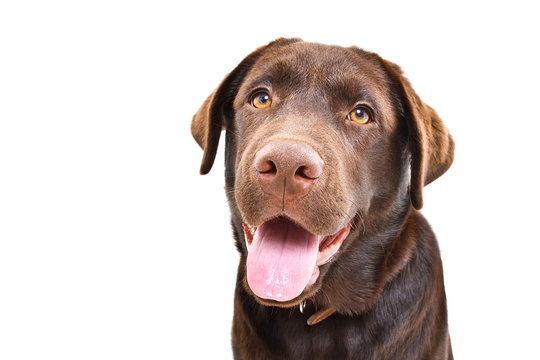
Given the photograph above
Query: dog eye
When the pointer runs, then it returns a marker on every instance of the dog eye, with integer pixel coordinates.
(359, 115)
(261, 100)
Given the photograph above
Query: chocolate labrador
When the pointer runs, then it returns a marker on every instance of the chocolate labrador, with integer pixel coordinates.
(327, 151)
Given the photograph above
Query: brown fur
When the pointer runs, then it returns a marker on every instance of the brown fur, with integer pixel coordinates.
(386, 282)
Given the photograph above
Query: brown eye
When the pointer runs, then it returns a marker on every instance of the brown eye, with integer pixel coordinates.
(261, 100)
(359, 115)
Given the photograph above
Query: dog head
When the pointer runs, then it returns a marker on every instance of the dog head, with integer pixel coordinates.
(326, 146)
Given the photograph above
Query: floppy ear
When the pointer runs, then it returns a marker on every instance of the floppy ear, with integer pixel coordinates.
(430, 144)
(216, 111)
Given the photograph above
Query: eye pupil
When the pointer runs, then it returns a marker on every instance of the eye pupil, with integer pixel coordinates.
(263, 99)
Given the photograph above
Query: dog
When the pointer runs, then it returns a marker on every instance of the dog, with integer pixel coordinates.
(326, 155)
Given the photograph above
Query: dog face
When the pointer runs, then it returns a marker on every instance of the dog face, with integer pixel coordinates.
(324, 145)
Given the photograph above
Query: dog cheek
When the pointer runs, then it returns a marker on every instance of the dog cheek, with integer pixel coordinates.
(247, 191)
(357, 183)
(243, 193)
(338, 195)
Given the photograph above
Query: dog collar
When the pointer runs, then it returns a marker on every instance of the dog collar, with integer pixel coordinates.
(319, 315)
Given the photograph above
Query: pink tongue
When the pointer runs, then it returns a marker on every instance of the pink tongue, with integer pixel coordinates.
(281, 260)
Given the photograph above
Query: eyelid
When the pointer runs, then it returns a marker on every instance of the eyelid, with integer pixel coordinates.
(365, 107)
(258, 90)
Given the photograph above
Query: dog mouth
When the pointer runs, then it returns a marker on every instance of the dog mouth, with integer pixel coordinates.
(284, 258)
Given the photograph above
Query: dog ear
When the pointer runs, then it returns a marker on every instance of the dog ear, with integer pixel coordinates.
(430, 144)
(216, 111)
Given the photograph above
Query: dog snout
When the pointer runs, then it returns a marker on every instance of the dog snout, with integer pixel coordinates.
(287, 170)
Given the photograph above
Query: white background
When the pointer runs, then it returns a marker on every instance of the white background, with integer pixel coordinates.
(113, 247)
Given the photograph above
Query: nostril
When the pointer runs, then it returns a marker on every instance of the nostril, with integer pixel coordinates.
(305, 173)
(300, 172)
(266, 167)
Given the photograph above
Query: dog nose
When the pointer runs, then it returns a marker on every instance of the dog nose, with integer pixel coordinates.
(287, 169)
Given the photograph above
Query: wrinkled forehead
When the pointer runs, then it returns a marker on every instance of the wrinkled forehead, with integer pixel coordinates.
(345, 73)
